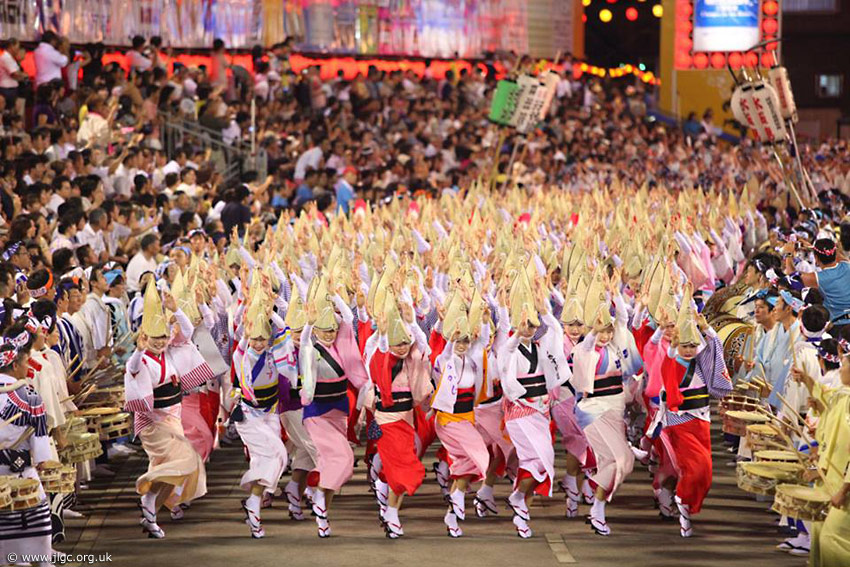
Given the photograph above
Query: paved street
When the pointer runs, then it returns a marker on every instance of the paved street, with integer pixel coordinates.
(733, 529)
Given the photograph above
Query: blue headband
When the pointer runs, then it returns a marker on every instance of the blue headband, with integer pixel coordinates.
(795, 304)
(760, 294)
(112, 275)
(11, 251)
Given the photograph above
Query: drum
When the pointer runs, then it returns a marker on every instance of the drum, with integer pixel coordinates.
(81, 447)
(801, 502)
(115, 426)
(731, 304)
(762, 478)
(5, 492)
(68, 479)
(734, 335)
(738, 402)
(24, 493)
(94, 416)
(50, 475)
(75, 425)
(773, 456)
(724, 301)
(105, 397)
(763, 436)
(736, 422)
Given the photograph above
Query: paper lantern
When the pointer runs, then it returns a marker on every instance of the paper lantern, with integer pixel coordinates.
(769, 26)
(605, 15)
(631, 14)
(735, 60)
(657, 11)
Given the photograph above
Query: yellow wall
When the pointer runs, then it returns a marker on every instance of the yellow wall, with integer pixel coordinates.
(668, 33)
(692, 90)
(701, 89)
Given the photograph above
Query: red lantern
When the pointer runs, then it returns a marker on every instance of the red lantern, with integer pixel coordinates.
(751, 59)
(718, 60)
(700, 60)
(769, 26)
(771, 8)
(683, 60)
(584, 18)
(735, 60)
(767, 59)
(631, 14)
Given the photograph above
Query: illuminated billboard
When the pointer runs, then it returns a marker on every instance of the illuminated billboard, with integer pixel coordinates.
(725, 25)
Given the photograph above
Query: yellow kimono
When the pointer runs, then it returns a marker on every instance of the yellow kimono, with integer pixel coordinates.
(831, 538)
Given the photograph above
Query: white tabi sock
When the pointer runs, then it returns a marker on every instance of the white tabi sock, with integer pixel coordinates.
(319, 498)
(149, 501)
(597, 511)
(382, 491)
(310, 492)
(292, 489)
(253, 503)
(665, 501)
(458, 503)
(391, 515)
(517, 500)
(485, 492)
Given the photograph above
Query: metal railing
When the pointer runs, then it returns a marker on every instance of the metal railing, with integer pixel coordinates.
(229, 160)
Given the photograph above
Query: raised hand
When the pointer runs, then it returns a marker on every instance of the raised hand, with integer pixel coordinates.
(169, 302)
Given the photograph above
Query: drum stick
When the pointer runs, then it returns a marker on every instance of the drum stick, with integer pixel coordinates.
(800, 456)
(791, 442)
(10, 420)
(782, 447)
(85, 393)
(790, 408)
(751, 348)
(24, 436)
(799, 431)
(13, 386)
(94, 369)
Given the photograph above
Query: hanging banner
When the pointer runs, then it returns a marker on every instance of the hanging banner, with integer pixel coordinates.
(427, 28)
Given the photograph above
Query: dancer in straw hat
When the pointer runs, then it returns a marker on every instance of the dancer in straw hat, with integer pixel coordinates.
(164, 365)
(328, 365)
(530, 369)
(263, 369)
(602, 360)
(693, 373)
(400, 372)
